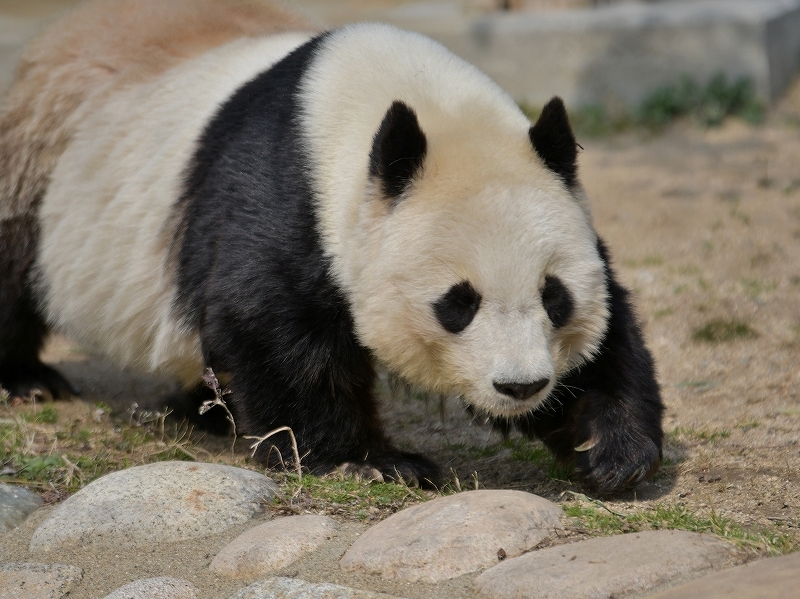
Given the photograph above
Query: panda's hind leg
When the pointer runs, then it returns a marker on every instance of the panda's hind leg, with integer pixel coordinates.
(22, 328)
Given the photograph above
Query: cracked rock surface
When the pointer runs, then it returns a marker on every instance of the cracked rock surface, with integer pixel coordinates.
(160, 502)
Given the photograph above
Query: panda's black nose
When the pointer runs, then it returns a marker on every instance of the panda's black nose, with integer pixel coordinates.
(521, 390)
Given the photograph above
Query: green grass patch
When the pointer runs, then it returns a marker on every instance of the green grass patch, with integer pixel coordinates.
(709, 104)
(588, 120)
(754, 288)
(44, 450)
(593, 121)
(475, 451)
(747, 425)
(48, 414)
(723, 330)
(680, 288)
(596, 517)
(339, 494)
(651, 260)
(705, 435)
(534, 452)
(697, 386)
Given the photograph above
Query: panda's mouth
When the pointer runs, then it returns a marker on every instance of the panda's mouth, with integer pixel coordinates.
(500, 405)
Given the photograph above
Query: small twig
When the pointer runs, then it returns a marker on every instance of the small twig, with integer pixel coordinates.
(182, 449)
(72, 469)
(278, 452)
(27, 483)
(456, 482)
(475, 481)
(587, 499)
(210, 379)
(260, 440)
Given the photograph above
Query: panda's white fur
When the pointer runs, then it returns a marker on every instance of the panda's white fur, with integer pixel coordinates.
(117, 228)
(485, 210)
(106, 228)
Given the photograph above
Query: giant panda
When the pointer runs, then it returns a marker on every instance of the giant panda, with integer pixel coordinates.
(214, 183)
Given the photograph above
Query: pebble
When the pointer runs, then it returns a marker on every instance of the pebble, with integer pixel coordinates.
(615, 566)
(163, 587)
(453, 535)
(773, 578)
(156, 503)
(37, 581)
(271, 546)
(291, 588)
(16, 504)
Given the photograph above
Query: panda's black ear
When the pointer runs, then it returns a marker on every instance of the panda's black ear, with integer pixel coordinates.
(398, 150)
(554, 142)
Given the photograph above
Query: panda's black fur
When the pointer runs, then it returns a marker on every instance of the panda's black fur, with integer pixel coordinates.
(254, 280)
(287, 337)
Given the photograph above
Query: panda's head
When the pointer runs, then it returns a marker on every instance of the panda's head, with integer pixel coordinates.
(479, 273)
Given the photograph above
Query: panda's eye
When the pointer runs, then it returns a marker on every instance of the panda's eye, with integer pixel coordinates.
(557, 301)
(456, 308)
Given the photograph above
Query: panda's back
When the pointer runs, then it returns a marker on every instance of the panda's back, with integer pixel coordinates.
(107, 218)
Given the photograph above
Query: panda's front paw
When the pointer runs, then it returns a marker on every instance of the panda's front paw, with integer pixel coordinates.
(616, 447)
(399, 466)
(617, 462)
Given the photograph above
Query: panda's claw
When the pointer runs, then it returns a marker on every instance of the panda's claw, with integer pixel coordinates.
(396, 466)
(609, 471)
(361, 471)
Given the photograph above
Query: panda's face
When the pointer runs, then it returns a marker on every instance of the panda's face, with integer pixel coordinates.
(479, 273)
(493, 296)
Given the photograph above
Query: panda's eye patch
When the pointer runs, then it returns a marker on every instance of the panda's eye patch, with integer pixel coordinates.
(557, 301)
(456, 308)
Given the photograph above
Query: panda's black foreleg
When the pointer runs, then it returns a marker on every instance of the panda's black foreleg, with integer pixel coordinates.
(606, 416)
(323, 390)
(22, 328)
(335, 429)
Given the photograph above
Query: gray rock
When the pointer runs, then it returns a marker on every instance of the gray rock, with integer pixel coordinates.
(615, 566)
(16, 504)
(156, 503)
(290, 588)
(163, 587)
(454, 535)
(37, 581)
(273, 545)
(774, 578)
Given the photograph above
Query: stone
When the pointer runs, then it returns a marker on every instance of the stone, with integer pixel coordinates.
(16, 504)
(157, 503)
(37, 581)
(273, 545)
(617, 566)
(453, 535)
(773, 578)
(162, 587)
(290, 588)
(617, 53)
